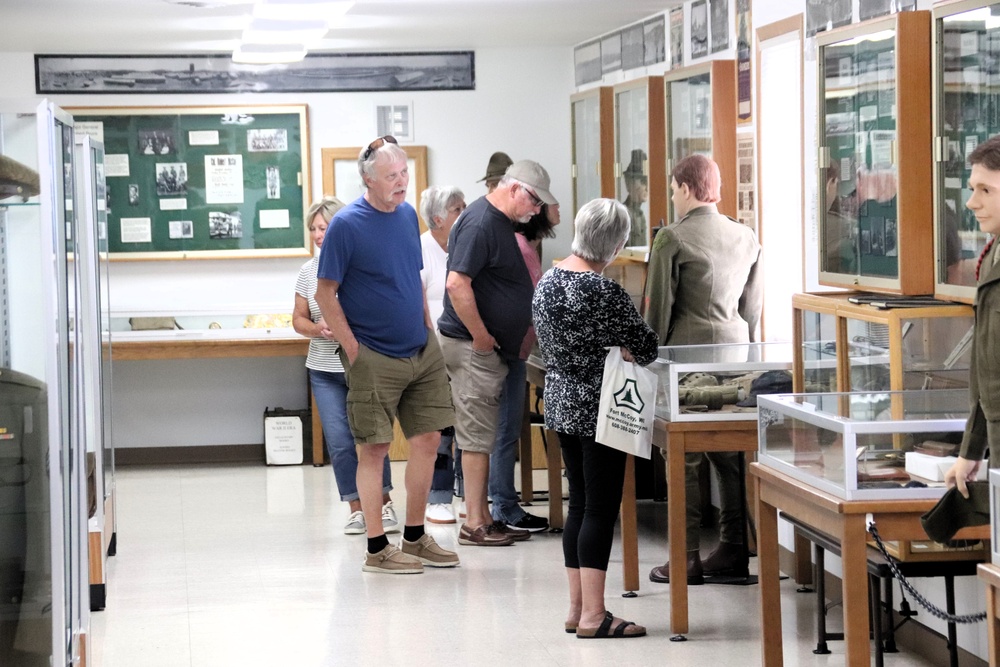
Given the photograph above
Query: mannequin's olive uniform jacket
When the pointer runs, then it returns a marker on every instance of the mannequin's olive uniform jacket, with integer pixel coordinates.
(705, 282)
(983, 428)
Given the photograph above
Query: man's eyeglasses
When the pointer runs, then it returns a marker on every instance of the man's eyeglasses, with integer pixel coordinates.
(534, 198)
(377, 144)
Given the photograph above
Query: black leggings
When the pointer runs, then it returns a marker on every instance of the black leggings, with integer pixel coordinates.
(596, 474)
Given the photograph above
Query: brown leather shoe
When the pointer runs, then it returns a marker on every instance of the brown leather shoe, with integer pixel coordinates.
(484, 536)
(728, 560)
(695, 573)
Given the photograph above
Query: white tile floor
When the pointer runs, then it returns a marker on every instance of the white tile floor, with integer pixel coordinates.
(248, 566)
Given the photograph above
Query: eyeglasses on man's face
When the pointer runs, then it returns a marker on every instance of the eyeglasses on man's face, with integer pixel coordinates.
(377, 144)
(534, 198)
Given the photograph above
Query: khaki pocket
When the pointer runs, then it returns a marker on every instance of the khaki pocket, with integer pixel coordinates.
(361, 414)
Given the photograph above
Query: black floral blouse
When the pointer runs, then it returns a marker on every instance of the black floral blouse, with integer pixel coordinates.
(577, 315)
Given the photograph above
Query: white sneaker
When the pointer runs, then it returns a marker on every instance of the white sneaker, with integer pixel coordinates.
(355, 523)
(440, 513)
(389, 522)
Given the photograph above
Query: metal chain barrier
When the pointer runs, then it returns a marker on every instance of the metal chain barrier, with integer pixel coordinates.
(924, 602)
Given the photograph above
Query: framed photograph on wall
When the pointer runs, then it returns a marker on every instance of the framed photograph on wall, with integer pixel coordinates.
(204, 182)
(699, 29)
(655, 40)
(632, 47)
(611, 53)
(587, 62)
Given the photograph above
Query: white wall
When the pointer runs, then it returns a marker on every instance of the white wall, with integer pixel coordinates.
(520, 105)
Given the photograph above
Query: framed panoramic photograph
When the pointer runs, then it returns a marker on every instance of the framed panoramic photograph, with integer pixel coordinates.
(203, 182)
(317, 72)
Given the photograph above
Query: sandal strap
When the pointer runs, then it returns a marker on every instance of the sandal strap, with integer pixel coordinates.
(602, 631)
(620, 630)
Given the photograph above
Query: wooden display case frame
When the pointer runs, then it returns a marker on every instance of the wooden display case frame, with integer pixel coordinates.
(943, 289)
(606, 139)
(837, 305)
(656, 162)
(912, 156)
(722, 78)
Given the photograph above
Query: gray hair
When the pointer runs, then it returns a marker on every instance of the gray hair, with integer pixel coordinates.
(602, 227)
(435, 200)
(387, 151)
(327, 207)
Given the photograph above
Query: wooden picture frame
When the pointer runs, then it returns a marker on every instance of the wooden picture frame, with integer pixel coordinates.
(342, 180)
(203, 182)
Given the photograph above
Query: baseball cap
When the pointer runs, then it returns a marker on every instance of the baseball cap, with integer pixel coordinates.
(533, 175)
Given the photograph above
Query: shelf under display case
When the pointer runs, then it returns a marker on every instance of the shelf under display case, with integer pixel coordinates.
(707, 383)
(854, 445)
(874, 190)
(966, 113)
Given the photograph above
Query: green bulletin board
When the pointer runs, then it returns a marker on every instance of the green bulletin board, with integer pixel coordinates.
(204, 182)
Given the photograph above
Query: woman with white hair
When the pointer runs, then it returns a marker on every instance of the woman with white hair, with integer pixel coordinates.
(440, 207)
(578, 314)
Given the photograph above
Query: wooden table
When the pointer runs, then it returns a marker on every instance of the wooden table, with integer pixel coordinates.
(990, 574)
(844, 520)
(678, 439)
(126, 346)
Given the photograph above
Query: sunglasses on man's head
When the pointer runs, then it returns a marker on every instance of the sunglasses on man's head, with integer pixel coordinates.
(377, 144)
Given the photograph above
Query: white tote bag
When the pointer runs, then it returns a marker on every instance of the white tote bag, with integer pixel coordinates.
(628, 401)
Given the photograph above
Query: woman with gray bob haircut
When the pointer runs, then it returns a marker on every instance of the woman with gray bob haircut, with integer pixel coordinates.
(602, 228)
(436, 203)
(578, 314)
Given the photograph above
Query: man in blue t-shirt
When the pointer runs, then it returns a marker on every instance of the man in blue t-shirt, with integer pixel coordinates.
(487, 311)
(370, 293)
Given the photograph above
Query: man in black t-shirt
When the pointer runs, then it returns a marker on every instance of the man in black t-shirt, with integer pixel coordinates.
(487, 311)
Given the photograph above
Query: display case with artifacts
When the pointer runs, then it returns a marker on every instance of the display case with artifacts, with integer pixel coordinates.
(43, 513)
(966, 113)
(850, 341)
(701, 113)
(864, 445)
(874, 191)
(640, 167)
(92, 265)
(707, 383)
(592, 122)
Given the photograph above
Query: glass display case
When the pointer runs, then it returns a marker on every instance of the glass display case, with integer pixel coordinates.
(701, 116)
(874, 191)
(841, 345)
(640, 164)
(91, 263)
(701, 383)
(592, 118)
(215, 324)
(966, 113)
(854, 445)
(42, 552)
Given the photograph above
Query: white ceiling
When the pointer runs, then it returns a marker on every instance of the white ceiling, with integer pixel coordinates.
(162, 26)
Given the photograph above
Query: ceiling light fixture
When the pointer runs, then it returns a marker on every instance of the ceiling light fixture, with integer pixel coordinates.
(280, 31)
(269, 54)
(270, 31)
